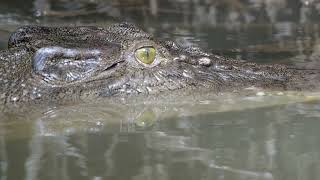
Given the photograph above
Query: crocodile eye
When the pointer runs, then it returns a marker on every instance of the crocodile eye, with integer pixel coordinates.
(146, 54)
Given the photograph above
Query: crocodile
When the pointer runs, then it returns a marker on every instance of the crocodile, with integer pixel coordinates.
(56, 64)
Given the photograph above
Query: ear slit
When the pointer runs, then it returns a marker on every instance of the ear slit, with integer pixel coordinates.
(46, 53)
(65, 65)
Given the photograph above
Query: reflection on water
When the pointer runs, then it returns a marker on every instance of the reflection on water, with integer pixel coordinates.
(247, 137)
(212, 139)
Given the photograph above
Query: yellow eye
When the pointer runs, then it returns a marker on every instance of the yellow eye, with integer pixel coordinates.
(146, 54)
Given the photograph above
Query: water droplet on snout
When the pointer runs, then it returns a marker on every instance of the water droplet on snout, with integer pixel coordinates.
(14, 98)
(204, 61)
(182, 57)
(35, 94)
(261, 93)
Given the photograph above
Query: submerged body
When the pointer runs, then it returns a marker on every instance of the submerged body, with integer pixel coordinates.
(70, 63)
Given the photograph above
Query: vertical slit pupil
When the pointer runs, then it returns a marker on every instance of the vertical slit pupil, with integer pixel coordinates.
(147, 53)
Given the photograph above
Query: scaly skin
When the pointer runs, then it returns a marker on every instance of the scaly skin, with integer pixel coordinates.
(69, 63)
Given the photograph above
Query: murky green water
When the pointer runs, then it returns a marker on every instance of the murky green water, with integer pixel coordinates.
(256, 136)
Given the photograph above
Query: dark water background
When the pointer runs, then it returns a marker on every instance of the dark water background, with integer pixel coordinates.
(201, 140)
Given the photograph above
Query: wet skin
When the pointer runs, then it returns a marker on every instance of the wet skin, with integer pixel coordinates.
(71, 63)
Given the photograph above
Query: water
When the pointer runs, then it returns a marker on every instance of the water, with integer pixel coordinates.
(164, 140)
(258, 135)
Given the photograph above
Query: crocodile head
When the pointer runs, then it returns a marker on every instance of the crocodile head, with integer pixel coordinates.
(84, 62)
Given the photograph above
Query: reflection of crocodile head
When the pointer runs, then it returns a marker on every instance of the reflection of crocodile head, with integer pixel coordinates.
(88, 62)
